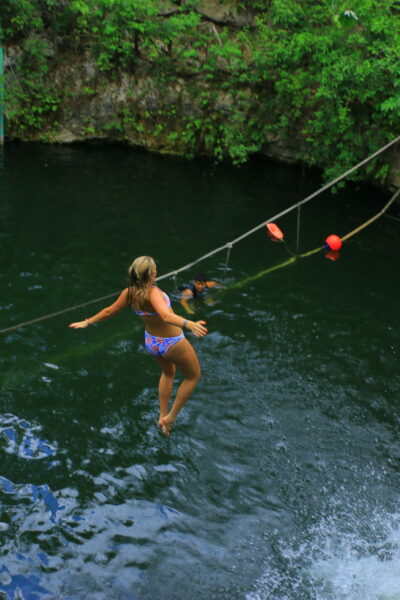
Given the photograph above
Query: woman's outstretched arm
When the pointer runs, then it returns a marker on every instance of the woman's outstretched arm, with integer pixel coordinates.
(105, 313)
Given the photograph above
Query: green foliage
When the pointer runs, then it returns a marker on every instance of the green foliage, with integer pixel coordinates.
(27, 17)
(19, 16)
(122, 31)
(337, 78)
(33, 103)
(324, 71)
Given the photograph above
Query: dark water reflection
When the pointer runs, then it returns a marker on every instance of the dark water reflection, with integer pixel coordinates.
(280, 481)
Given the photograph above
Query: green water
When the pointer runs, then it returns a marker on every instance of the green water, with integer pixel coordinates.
(281, 478)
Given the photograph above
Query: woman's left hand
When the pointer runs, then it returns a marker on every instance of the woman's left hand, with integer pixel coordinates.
(197, 327)
(79, 324)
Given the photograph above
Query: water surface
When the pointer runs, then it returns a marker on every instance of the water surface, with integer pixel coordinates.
(280, 480)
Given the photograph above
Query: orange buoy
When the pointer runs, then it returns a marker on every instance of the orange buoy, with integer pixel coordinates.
(333, 242)
(274, 232)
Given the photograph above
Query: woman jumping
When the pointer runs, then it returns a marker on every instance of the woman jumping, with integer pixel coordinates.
(164, 337)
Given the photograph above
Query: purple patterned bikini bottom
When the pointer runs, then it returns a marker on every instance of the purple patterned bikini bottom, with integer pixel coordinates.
(159, 346)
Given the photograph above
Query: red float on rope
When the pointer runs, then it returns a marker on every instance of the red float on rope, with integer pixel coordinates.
(333, 242)
(274, 232)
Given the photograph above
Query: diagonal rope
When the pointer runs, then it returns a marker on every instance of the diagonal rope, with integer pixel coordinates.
(357, 229)
(284, 212)
(59, 312)
(290, 261)
(372, 219)
(229, 245)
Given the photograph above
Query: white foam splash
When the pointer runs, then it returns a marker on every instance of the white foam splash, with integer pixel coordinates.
(353, 568)
(337, 563)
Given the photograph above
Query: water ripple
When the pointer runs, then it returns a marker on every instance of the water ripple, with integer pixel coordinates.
(20, 437)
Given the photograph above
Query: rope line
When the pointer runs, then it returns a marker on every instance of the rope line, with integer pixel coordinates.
(323, 189)
(228, 246)
(287, 210)
(290, 261)
(372, 219)
(298, 229)
(55, 314)
(359, 228)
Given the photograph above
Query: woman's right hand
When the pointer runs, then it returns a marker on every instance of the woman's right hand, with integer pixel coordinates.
(197, 327)
(80, 324)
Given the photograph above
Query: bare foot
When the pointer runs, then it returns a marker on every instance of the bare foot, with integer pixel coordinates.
(160, 418)
(166, 424)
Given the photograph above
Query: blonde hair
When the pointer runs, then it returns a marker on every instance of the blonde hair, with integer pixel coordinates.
(139, 280)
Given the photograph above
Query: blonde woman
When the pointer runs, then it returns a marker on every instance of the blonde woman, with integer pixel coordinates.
(164, 337)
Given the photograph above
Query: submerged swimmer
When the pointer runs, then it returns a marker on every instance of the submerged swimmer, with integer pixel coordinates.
(198, 289)
(164, 337)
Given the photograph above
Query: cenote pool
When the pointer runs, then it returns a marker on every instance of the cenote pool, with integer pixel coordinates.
(281, 479)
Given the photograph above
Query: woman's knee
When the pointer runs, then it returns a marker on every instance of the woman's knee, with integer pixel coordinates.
(196, 374)
(190, 371)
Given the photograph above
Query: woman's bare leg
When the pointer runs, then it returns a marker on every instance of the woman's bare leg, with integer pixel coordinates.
(165, 385)
(183, 356)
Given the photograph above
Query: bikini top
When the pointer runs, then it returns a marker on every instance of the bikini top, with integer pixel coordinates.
(142, 313)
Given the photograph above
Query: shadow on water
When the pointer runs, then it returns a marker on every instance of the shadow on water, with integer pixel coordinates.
(280, 480)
